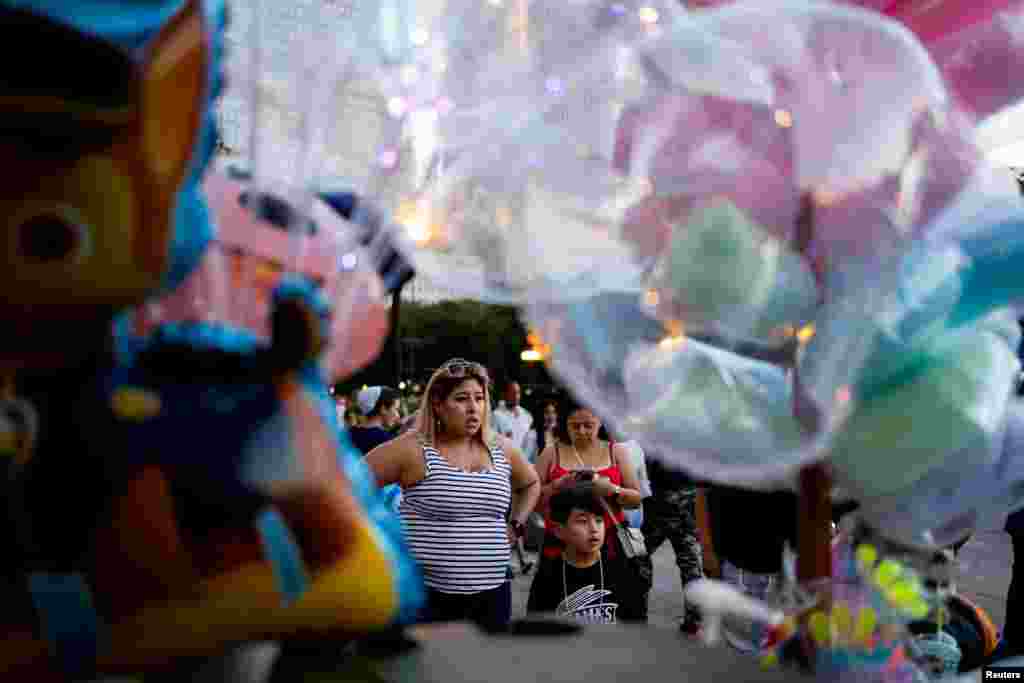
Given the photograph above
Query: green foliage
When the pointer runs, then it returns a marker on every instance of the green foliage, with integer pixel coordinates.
(488, 334)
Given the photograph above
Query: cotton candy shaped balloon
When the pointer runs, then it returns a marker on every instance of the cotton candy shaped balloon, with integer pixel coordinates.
(825, 173)
(964, 494)
(835, 70)
(777, 293)
(920, 400)
(724, 415)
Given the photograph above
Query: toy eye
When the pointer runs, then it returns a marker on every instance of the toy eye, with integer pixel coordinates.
(48, 238)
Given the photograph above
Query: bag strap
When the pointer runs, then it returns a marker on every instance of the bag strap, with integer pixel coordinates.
(551, 465)
(611, 514)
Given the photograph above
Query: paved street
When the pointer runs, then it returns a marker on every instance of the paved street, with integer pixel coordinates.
(984, 578)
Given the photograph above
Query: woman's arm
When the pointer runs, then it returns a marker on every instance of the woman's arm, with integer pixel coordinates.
(525, 484)
(391, 462)
(628, 495)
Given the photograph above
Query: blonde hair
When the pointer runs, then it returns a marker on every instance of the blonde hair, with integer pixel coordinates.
(441, 385)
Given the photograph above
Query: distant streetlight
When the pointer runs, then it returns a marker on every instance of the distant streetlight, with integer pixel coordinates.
(401, 385)
(531, 356)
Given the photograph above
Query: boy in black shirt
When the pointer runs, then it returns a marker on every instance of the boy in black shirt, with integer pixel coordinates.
(584, 586)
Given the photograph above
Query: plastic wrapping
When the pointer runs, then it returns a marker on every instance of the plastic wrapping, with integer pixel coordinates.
(723, 415)
(509, 160)
(822, 180)
(966, 493)
(941, 396)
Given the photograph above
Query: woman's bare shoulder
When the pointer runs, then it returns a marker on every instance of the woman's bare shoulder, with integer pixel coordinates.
(402, 445)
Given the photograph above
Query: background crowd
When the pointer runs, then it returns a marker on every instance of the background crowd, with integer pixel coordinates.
(475, 479)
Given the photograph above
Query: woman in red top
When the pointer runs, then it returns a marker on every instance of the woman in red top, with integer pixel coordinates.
(578, 453)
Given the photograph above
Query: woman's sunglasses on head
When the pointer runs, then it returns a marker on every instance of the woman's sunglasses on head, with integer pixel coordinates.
(463, 368)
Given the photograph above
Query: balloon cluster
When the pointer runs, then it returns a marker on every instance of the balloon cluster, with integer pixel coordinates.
(753, 234)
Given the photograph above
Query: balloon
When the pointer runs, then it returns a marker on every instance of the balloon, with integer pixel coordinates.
(768, 230)
(824, 174)
(965, 494)
(948, 397)
(723, 414)
(234, 283)
(934, 20)
(514, 151)
(981, 61)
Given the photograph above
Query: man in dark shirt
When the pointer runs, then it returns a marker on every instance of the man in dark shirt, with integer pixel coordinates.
(585, 585)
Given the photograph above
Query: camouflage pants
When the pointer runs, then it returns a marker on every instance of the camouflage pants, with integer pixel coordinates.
(672, 515)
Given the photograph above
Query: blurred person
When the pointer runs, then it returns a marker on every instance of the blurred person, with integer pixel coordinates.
(380, 409)
(467, 492)
(547, 425)
(513, 420)
(584, 585)
(1011, 643)
(670, 514)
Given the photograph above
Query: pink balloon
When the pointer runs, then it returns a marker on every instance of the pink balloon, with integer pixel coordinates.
(931, 20)
(235, 281)
(983, 63)
(692, 147)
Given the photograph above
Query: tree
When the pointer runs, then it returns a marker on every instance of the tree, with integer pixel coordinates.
(488, 334)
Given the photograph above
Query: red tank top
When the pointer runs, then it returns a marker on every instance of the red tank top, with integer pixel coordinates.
(612, 472)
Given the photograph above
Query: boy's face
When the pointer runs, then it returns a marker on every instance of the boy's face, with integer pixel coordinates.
(584, 531)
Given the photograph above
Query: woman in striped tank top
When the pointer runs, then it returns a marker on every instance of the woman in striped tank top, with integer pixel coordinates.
(459, 481)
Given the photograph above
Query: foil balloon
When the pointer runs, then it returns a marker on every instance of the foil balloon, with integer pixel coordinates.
(234, 283)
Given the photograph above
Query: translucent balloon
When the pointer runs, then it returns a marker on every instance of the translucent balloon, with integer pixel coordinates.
(963, 495)
(724, 414)
(769, 231)
(922, 400)
(495, 185)
(812, 188)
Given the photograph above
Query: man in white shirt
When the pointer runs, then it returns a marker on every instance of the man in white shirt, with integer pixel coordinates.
(514, 421)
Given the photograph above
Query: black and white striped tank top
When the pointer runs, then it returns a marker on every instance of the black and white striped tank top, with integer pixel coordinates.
(455, 524)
